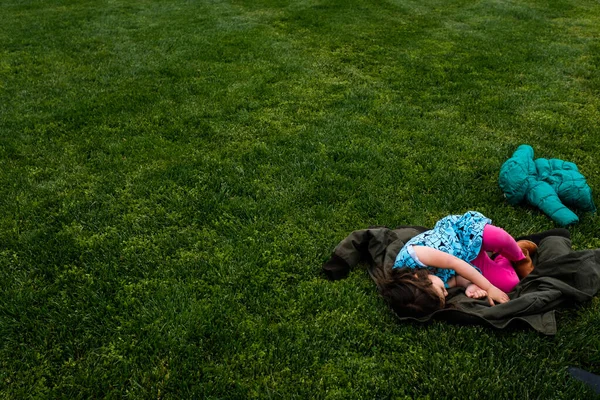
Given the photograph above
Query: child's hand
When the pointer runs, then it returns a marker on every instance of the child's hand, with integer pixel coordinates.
(496, 294)
(475, 292)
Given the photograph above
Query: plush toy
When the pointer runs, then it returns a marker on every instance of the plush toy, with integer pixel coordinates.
(550, 185)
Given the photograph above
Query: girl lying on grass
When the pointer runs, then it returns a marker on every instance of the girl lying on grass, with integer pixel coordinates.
(454, 253)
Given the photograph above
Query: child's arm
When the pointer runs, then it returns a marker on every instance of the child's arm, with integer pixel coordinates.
(439, 259)
(458, 281)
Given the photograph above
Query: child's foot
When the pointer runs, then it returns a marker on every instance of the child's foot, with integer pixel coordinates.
(475, 292)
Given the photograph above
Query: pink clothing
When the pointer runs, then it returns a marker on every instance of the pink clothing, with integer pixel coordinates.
(499, 271)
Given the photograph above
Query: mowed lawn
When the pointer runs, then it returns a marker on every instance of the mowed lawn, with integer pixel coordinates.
(173, 174)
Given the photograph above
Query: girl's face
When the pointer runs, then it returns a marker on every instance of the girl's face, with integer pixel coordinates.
(438, 286)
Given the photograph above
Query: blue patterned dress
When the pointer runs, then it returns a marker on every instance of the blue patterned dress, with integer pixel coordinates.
(458, 235)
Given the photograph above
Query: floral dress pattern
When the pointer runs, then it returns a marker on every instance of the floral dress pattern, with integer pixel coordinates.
(458, 235)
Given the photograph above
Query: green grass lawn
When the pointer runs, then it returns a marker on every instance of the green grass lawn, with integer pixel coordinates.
(174, 173)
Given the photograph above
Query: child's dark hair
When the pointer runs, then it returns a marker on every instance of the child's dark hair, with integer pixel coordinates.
(409, 292)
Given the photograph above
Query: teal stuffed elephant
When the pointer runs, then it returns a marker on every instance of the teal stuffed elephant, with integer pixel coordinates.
(551, 185)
